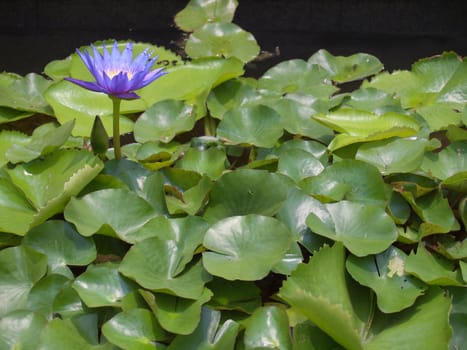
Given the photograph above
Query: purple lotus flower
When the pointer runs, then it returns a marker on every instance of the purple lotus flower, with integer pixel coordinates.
(116, 73)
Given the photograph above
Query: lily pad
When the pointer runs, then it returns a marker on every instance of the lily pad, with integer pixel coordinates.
(154, 264)
(363, 229)
(9, 138)
(163, 120)
(235, 242)
(234, 295)
(258, 125)
(200, 12)
(62, 244)
(20, 329)
(102, 285)
(135, 329)
(222, 40)
(91, 213)
(344, 69)
(42, 296)
(385, 274)
(432, 268)
(298, 164)
(209, 334)
(211, 162)
(246, 191)
(351, 180)
(20, 268)
(268, 328)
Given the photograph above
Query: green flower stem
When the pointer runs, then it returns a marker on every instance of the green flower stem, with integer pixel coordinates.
(116, 126)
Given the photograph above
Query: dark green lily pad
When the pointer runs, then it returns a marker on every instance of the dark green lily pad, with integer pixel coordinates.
(258, 125)
(234, 295)
(363, 229)
(20, 329)
(135, 329)
(385, 274)
(234, 243)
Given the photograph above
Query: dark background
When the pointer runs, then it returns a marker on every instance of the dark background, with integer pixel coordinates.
(398, 32)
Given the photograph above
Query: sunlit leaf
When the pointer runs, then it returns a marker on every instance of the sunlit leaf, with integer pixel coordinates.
(257, 125)
(163, 120)
(62, 244)
(363, 229)
(298, 164)
(44, 140)
(394, 155)
(268, 328)
(20, 268)
(20, 329)
(24, 93)
(352, 180)
(102, 285)
(234, 243)
(199, 12)
(344, 69)
(222, 40)
(211, 161)
(92, 214)
(137, 329)
(435, 88)
(153, 263)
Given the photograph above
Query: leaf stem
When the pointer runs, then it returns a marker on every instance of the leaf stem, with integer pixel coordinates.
(209, 126)
(116, 126)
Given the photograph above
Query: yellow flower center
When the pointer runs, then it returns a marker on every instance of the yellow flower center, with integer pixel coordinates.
(113, 72)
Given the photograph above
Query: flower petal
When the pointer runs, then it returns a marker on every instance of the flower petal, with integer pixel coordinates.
(87, 85)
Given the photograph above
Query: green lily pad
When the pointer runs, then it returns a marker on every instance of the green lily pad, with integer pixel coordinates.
(222, 40)
(42, 296)
(458, 317)
(257, 125)
(20, 268)
(44, 140)
(209, 334)
(64, 334)
(352, 180)
(294, 213)
(268, 328)
(344, 69)
(449, 165)
(435, 211)
(62, 244)
(211, 162)
(317, 149)
(200, 12)
(102, 285)
(92, 214)
(235, 243)
(234, 295)
(25, 93)
(298, 164)
(20, 329)
(432, 268)
(154, 264)
(297, 76)
(373, 100)
(8, 139)
(67, 303)
(179, 315)
(231, 94)
(246, 191)
(385, 274)
(323, 300)
(451, 248)
(46, 185)
(136, 329)
(308, 336)
(395, 155)
(163, 121)
(363, 229)
(435, 88)
(363, 126)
